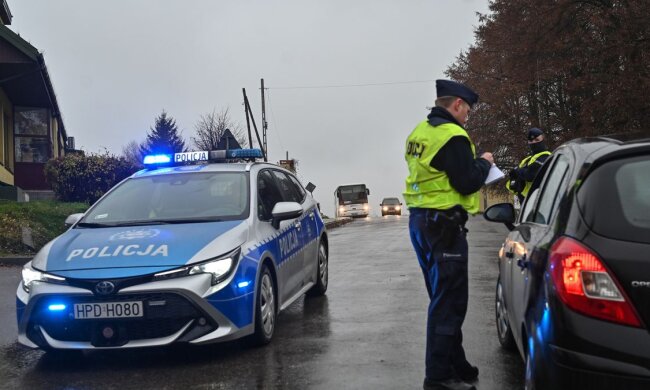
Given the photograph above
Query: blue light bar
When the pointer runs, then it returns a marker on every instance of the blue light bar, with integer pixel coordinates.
(245, 153)
(243, 284)
(56, 307)
(154, 159)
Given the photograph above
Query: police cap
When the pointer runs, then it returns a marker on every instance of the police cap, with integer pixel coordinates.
(534, 132)
(452, 88)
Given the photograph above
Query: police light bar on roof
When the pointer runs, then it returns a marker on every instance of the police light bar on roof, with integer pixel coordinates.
(190, 157)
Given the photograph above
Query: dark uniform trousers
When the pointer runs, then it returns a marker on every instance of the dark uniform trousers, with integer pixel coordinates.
(445, 276)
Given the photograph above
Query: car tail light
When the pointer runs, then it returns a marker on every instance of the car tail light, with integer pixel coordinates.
(584, 284)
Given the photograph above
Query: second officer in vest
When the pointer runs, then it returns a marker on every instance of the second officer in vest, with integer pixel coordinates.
(521, 178)
(441, 189)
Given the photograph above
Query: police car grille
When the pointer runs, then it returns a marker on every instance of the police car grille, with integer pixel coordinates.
(159, 320)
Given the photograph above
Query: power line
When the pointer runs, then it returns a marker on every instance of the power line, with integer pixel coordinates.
(355, 85)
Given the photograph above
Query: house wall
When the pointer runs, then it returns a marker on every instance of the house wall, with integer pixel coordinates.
(6, 140)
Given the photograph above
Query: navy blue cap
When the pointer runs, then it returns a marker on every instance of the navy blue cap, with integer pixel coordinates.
(452, 88)
(534, 132)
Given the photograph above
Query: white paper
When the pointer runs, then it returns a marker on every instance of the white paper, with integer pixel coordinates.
(495, 174)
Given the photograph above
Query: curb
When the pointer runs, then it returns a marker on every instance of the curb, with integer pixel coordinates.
(333, 223)
(15, 261)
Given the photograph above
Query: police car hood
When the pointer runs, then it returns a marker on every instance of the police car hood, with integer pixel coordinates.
(116, 252)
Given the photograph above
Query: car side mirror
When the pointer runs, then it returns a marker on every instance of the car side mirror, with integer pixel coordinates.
(502, 212)
(283, 211)
(72, 219)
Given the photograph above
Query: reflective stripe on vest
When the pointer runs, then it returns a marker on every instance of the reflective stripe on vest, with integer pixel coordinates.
(426, 187)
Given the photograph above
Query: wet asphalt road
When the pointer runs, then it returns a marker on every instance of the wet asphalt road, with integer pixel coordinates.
(368, 332)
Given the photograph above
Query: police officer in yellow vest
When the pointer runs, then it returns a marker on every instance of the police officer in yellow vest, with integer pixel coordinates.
(441, 189)
(521, 178)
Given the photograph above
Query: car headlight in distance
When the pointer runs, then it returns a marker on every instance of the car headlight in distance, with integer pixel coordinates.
(30, 275)
(220, 268)
(398, 208)
(385, 208)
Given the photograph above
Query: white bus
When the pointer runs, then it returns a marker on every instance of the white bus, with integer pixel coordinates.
(351, 201)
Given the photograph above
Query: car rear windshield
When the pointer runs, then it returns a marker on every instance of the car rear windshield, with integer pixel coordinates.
(615, 199)
(174, 198)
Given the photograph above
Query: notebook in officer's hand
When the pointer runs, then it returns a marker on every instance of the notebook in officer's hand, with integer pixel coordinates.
(494, 175)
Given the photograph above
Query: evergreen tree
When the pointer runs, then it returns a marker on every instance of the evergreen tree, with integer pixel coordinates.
(164, 137)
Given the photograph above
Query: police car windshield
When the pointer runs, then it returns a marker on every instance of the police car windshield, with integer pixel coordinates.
(173, 198)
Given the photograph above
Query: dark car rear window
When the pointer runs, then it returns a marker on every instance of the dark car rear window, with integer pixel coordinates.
(615, 199)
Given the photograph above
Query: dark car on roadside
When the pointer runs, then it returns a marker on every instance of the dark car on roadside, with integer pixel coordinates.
(573, 294)
(391, 206)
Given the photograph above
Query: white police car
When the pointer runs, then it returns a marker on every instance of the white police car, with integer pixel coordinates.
(192, 253)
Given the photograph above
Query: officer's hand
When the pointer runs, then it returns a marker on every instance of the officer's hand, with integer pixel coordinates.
(488, 156)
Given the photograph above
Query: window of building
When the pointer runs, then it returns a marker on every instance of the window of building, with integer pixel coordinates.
(32, 135)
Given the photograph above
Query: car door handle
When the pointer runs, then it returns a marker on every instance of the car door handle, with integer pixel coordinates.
(522, 262)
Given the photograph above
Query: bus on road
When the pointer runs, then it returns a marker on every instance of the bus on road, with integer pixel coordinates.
(351, 201)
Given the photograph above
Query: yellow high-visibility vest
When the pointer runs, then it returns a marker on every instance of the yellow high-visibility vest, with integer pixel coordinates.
(529, 160)
(426, 187)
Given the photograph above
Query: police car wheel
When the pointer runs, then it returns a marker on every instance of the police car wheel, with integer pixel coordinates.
(266, 309)
(503, 326)
(323, 273)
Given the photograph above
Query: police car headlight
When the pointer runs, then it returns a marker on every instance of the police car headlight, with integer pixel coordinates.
(220, 268)
(30, 276)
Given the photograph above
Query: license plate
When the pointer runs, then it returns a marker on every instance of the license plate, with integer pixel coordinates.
(87, 311)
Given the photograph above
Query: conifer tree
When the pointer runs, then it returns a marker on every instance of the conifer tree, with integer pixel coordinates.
(164, 137)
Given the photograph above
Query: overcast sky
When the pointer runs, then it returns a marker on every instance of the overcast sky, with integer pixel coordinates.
(117, 64)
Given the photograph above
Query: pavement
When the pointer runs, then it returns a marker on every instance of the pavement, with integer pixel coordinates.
(367, 332)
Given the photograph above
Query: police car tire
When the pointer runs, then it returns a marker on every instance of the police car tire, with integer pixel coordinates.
(261, 336)
(322, 273)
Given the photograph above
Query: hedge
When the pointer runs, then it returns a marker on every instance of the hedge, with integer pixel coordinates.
(80, 178)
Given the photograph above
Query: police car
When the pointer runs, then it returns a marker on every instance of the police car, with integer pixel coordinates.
(194, 252)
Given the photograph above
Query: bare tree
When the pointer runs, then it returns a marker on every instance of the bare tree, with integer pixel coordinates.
(132, 152)
(211, 127)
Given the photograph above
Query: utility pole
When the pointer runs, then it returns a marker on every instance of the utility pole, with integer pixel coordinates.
(249, 113)
(248, 123)
(264, 123)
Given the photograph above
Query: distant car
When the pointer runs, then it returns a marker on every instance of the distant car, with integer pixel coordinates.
(573, 294)
(391, 206)
(178, 254)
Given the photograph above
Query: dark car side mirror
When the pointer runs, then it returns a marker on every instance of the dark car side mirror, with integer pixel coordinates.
(283, 211)
(502, 212)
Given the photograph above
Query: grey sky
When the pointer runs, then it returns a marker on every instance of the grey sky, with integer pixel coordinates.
(116, 64)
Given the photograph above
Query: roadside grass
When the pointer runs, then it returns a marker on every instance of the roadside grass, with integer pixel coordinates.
(45, 220)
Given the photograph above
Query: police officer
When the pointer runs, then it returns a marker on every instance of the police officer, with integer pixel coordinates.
(441, 189)
(521, 178)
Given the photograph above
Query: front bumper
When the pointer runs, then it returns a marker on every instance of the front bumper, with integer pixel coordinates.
(178, 310)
